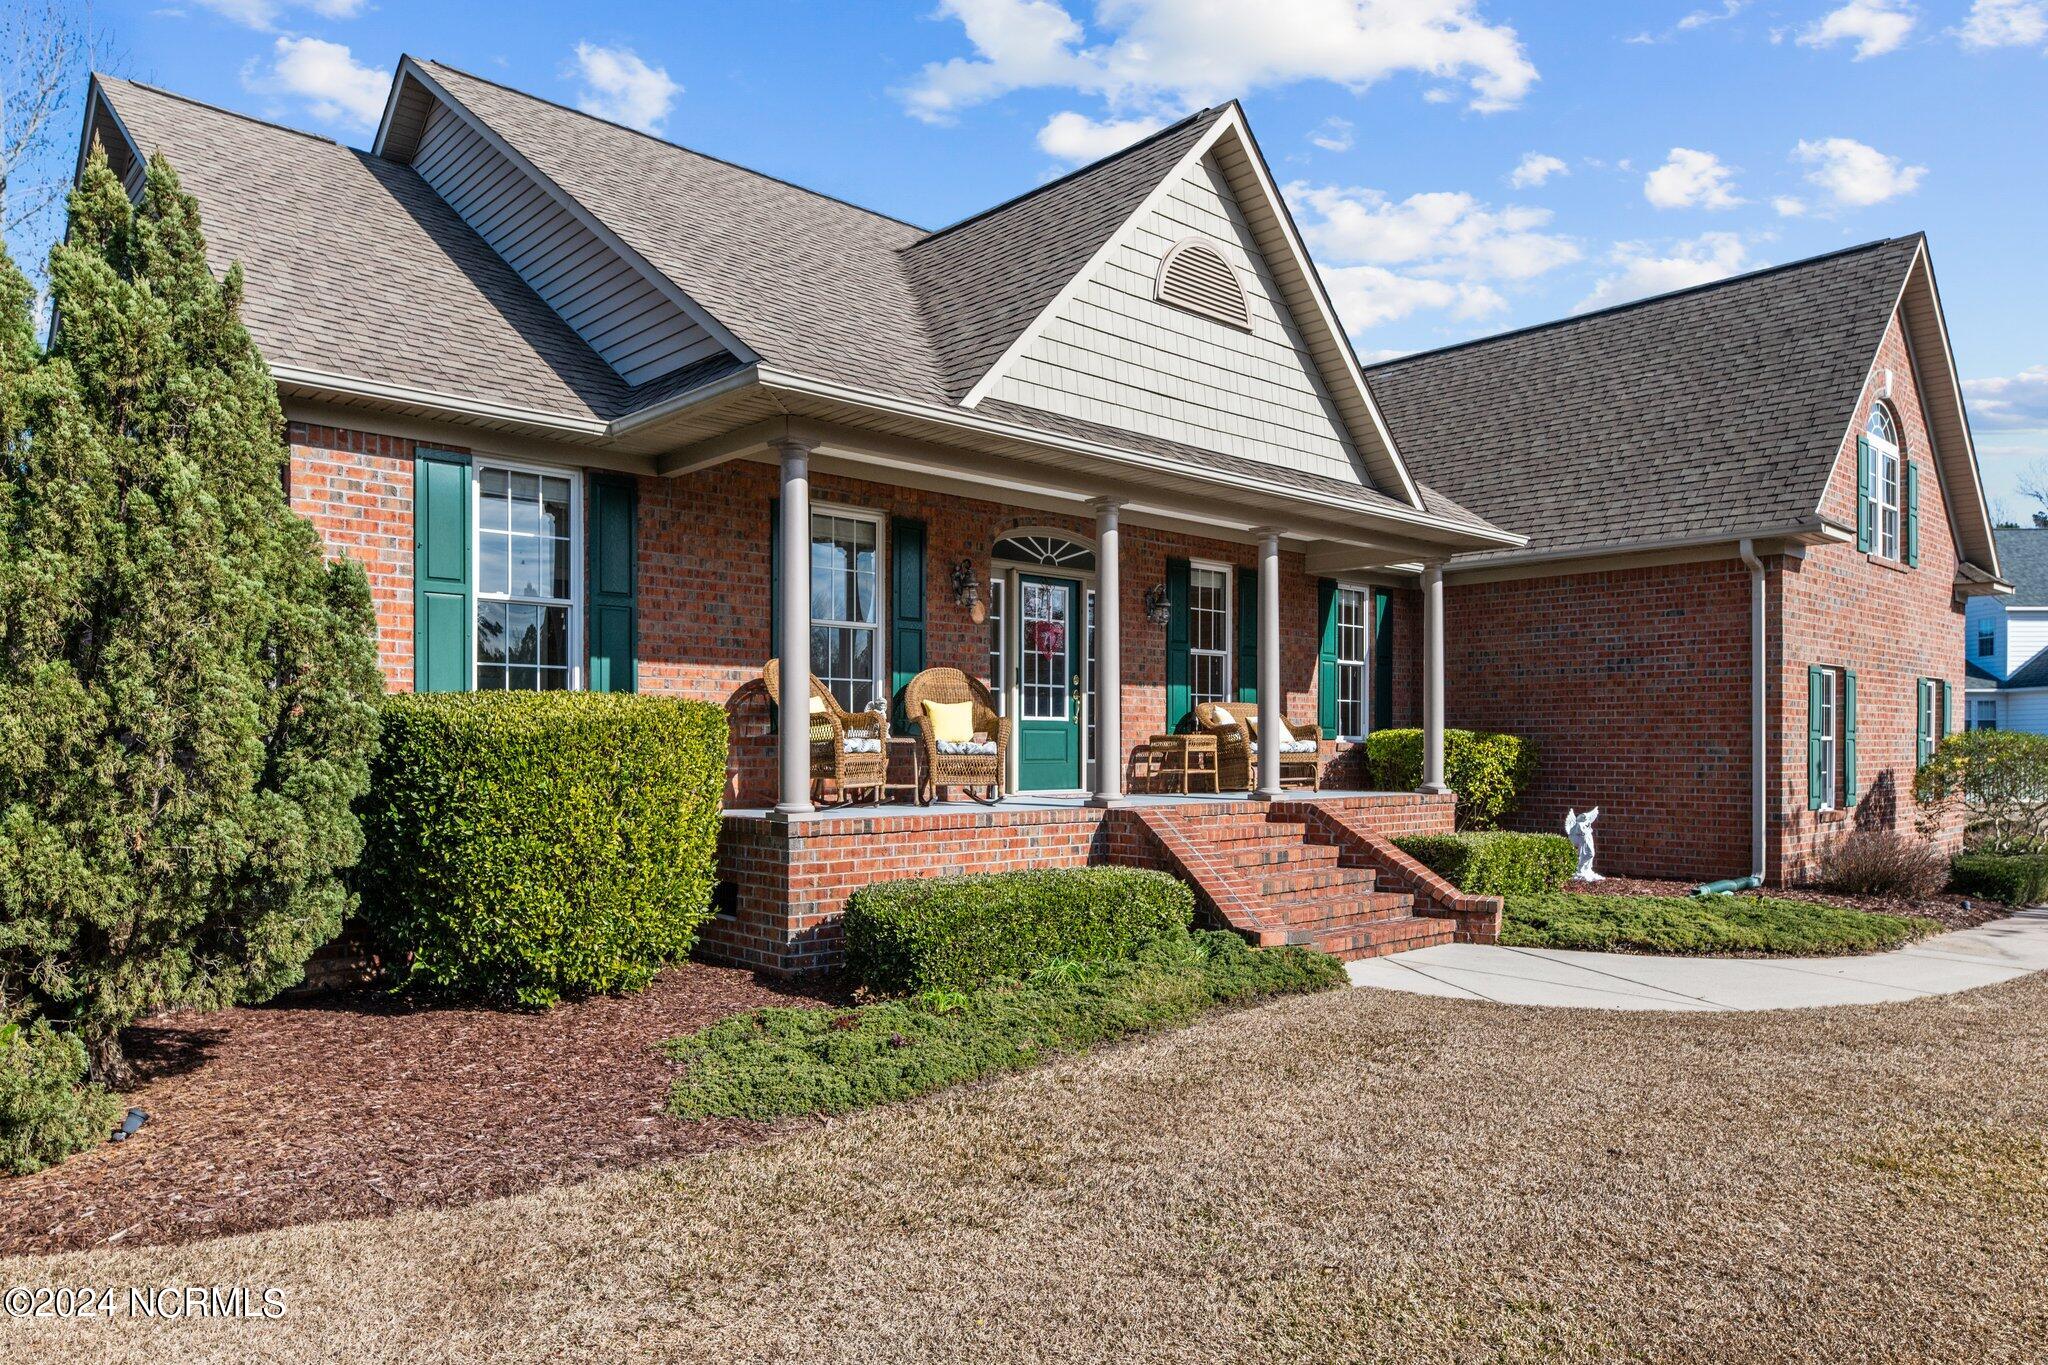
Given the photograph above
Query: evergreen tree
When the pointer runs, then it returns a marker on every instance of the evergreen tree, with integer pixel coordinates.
(186, 687)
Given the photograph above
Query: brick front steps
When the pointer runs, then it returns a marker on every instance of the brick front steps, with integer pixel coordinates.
(1308, 872)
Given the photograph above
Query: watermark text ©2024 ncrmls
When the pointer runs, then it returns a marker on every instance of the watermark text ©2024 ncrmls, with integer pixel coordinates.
(164, 1302)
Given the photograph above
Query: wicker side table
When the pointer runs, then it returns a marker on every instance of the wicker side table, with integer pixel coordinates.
(1180, 760)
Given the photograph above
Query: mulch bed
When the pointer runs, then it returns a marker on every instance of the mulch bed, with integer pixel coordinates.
(1951, 912)
(351, 1105)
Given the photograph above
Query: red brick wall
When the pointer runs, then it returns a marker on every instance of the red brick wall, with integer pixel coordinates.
(356, 489)
(1841, 607)
(1634, 683)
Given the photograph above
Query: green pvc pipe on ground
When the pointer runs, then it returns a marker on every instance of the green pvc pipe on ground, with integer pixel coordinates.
(1729, 887)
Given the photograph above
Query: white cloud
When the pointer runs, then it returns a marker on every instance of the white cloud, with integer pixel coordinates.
(2013, 402)
(1691, 179)
(1150, 55)
(1875, 26)
(1700, 18)
(336, 87)
(1534, 168)
(1641, 271)
(1077, 138)
(619, 86)
(2005, 23)
(1789, 206)
(1384, 259)
(1333, 135)
(1855, 175)
(264, 14)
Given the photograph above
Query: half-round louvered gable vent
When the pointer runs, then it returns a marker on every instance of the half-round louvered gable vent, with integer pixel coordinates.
(1195, 276)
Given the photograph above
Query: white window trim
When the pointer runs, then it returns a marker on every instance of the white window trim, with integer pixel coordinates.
(999, 666)
(1885, 540)
(883, 605)
(1229, 572)
(479, 463)
(1927, 719)
(1363, 664)
(1830, 739)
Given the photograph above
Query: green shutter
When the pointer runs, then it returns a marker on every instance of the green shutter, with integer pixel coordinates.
(1814, 732)
(1382, 660)
(1177, 702)
(1848, 737)
(1863, 527)
(441, 584)
(1247, 634)
(1912, 515)
(1326, 657)
(906, 612)
(614, 627)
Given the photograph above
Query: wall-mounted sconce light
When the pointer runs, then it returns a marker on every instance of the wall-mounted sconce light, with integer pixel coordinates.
(1156, 608)
(967, 591)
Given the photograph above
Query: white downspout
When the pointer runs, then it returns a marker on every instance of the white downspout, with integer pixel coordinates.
(1758, 744)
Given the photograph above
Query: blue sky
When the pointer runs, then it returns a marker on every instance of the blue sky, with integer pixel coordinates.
(1459, 166)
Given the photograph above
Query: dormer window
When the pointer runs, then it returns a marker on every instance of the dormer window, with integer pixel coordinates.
(1194, 276)
(1883, 490)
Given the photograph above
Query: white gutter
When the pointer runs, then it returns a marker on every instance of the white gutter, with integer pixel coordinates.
(1759, 819)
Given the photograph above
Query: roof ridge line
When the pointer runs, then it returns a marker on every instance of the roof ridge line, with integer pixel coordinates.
(102, 78)
(675, 146)
(1646, 301)
(1078, 171)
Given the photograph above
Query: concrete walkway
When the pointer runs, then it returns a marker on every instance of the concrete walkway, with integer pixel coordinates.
(1959, 961)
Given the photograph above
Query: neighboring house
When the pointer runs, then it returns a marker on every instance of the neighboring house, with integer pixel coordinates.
(2005, 639)
(574, 396)
(1758, 495)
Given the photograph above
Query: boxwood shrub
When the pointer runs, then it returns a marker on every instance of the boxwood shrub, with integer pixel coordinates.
(1495, 862)
(47, 1109)
(522, 847)
(959, 932)
(2013, 878)
(1488, 772)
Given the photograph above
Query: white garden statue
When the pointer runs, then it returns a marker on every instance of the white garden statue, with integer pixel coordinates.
(1579, 828)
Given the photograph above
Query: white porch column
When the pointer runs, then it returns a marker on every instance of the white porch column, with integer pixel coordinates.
(1433, 678)
(1271, 728)
(1109, 656)
(793, 647)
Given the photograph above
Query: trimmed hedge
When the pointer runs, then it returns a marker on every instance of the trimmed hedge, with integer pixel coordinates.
(47, 1110)
(960, 932)
(1604, 923)
(526, 846)
(1495, 862)
(2013, 878)
(778, 1062)
(1488, 772)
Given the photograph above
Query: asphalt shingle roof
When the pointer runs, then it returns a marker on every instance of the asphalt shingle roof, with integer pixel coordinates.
(2023, 559)
(1713, 410)
(2033, 673)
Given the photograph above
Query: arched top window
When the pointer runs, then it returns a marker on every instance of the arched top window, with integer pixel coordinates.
(1046, 549)
(1880, 480)
(1194, 276)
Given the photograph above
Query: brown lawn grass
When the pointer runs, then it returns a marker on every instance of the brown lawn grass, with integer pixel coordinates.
(1357, 1175)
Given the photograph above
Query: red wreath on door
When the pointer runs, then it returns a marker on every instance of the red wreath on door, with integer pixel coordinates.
(1048, 637)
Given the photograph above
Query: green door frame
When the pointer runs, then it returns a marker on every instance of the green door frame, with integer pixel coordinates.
(1049, 748)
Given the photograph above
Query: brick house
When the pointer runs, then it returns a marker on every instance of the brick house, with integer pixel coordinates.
(593, 410)
(1756, 496)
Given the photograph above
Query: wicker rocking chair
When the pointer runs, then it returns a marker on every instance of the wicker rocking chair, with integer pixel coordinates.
(954, 769)
(848, 747)
(1237, 746)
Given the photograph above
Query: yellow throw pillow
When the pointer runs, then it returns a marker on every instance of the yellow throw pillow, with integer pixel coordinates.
(952, 721)
(817, 704)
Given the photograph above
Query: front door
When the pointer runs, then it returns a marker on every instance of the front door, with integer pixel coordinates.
(1048, 684)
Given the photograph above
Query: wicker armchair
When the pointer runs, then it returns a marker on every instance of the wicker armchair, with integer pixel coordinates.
(953, 769)
(1236, 765)
(852, 769)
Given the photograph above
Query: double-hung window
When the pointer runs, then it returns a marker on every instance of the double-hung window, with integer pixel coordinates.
(1884, 480)
(1208, 633)
(1931, 719)
(1984, 714)
(846, 606)
(1826, 730)
(527, 632)
(1987, 639)
(1354, 607)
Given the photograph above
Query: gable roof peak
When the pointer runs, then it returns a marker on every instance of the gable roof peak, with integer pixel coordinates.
(106, 81)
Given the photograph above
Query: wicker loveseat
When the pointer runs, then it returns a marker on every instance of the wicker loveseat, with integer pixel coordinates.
(1236, 727)
(848, 747)
(975, 765)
